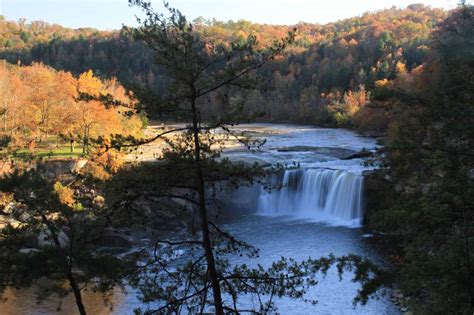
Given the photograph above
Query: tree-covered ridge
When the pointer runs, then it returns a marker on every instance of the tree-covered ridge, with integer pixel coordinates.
(410, 24)
(404, 25)
(21, 34)
(307, 85)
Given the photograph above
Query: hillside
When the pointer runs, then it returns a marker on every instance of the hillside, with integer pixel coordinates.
(326, 67)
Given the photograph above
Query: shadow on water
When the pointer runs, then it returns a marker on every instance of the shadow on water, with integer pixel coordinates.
(276, 237)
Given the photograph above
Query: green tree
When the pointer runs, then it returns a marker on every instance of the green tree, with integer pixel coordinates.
(431, 159)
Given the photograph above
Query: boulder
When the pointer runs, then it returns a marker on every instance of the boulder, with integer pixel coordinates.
(98, 202)
(28, 250)
(44, 239)
(80, 163)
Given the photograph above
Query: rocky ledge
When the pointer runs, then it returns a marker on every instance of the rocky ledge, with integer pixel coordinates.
(340, 153)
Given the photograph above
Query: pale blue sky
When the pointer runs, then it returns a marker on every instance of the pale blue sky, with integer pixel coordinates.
(111, 14)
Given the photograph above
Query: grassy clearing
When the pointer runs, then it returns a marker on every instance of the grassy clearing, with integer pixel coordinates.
(49, 153)
(50, 149)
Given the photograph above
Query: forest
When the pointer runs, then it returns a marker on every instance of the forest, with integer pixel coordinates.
(403, 77)
(325, 76)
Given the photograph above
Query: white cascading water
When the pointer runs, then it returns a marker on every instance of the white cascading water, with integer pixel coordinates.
(333, 196)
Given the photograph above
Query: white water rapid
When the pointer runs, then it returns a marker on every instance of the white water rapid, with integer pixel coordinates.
(333, 196)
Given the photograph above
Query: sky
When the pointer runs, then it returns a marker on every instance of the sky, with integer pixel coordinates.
(112, 14)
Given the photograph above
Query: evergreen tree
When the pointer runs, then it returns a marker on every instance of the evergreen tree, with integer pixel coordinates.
(191, 168)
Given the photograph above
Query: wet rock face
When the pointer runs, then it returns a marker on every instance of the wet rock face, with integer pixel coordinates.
(242, 200)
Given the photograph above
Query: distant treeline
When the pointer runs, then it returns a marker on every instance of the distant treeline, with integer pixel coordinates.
(330, 73)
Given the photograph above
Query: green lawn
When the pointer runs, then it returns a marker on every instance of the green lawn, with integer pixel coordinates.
(49, 150)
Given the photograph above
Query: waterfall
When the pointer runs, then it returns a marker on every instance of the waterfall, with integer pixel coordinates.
(326, 195)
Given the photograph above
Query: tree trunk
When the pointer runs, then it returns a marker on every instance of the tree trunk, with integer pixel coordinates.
(469, 272)
(5, 118)
(67, 267)
(211, 265)
(85, 140)
(77, 293)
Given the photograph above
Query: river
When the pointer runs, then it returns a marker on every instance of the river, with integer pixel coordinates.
(317, 211)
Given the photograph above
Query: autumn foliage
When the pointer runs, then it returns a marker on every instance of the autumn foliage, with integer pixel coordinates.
(324, 66)
(38, 102)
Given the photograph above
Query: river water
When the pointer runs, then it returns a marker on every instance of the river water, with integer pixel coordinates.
(317, 210)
